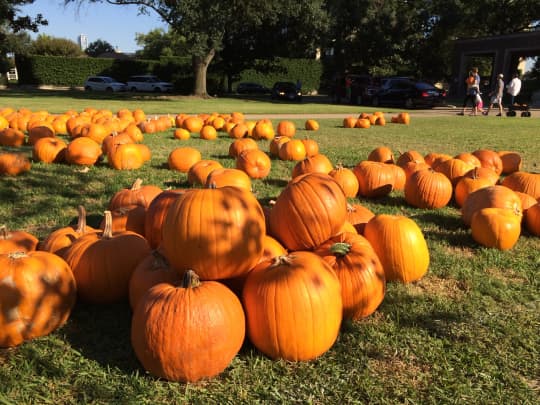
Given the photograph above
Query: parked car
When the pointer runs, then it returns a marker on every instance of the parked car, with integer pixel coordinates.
(408, 93)
(103, 83)
(251, 88)
(148, 83)
(363, 87)
(286, 91)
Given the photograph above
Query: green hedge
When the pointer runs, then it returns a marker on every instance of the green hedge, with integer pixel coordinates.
(72, 72)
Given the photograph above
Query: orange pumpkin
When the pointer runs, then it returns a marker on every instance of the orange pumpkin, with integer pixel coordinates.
(209, 339)
(301, 283)
(254, 162)
(315, 164)
(489, 197)
(16, 241)
(496, 227)
(346, 179)
(37, 294)
(311, 125)
(359, 271)
(428, 189)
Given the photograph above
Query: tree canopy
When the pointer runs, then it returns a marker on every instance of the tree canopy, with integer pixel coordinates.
(51, 46)
(98, 47)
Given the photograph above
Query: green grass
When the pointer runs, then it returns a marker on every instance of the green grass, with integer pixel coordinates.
(466, 333)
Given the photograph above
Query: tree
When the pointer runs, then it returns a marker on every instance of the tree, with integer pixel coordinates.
(158, 43)
(98, 47)
(12, 27)
(204, 23)
(51, 46)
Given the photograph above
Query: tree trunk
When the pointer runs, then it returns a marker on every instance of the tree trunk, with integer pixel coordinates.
(200, 66)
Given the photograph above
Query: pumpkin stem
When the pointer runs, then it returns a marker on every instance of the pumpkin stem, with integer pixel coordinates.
(81, 223)
(279, 260)
(107, 230)
(136, 184)
(17, 255)
(4, 233)
(190, 280)
(340, 248)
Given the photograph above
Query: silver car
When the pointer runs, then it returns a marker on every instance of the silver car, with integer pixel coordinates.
(104, 83)
(148, 83)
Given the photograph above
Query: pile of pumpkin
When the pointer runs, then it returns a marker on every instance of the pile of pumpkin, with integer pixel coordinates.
(366, 120)
(215, 264)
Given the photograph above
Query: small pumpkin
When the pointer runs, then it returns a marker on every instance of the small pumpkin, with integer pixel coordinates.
(255, 162)
(16, 241)
(496, 227)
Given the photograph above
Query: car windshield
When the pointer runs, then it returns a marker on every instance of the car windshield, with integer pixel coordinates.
(424, 86)
(108, 80)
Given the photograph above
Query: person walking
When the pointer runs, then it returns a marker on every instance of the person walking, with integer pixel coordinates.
(496, 96)
(513, 88)
(473, 88)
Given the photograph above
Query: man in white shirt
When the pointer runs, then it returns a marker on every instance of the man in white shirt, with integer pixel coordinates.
(513, 88)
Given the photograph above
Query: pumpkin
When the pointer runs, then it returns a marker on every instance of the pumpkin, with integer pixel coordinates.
(49, 150)
(511, 161)
(375, 179)
(311, 146)
(315, 164)
(263, 130)
(489, 197)
(102, 263)
(496, 227)
(434, 158)
(13, 164)
(153, 269)
(240, 145)
(137, 194)
(286, 128)
(239, 131)
(399, 176)
(40, 131)
(12, 137)
(532, 219)
(469, 158)
(155, 215)
(453, 169)
(218, 231)
(127, 156)
(381, 154)
(359, 271)
(346, 179)
(113, 140)
(276, 143)
(300, 284)
(428, 189)
(228, 177)
(193, 124)
(349, 122)
(466, 186)
(362, 123)
(409, 156)
(255, 162)
(308, 211)
(212, 324)
(59, 240)
(83, 151)
(525, 182)
(199, 171)
(181, 159)
(489, 159)
(16, 241)
(358, 216)
(483, 172)
(400, 245)
(311, 125)
(181, 134)
(37, 293)
(208, 132)
(294, 149)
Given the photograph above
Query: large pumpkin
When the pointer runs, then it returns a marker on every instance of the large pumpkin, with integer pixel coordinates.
(375, 179)
(360, 273)
(310, 210)
(525, 182)
(187, 332)
(318, 163)
(400, 245)
(293, 306)
(217, 231)
(37, 293)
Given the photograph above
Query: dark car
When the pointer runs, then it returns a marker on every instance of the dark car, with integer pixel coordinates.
(408, 93)
(251, 88)
(286, 91)
(363, 87)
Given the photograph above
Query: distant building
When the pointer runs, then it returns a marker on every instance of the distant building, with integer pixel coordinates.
(83, 42)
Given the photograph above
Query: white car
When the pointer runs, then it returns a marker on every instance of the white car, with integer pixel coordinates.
(104, 83)
(148, 83)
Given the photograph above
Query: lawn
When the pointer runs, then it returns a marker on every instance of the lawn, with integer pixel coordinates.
(466, 333)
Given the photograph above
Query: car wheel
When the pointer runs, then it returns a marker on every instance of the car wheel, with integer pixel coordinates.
(409, 103)
(88, 88)
(375, 102)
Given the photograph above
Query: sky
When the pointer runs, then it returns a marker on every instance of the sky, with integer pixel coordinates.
(115, 24)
